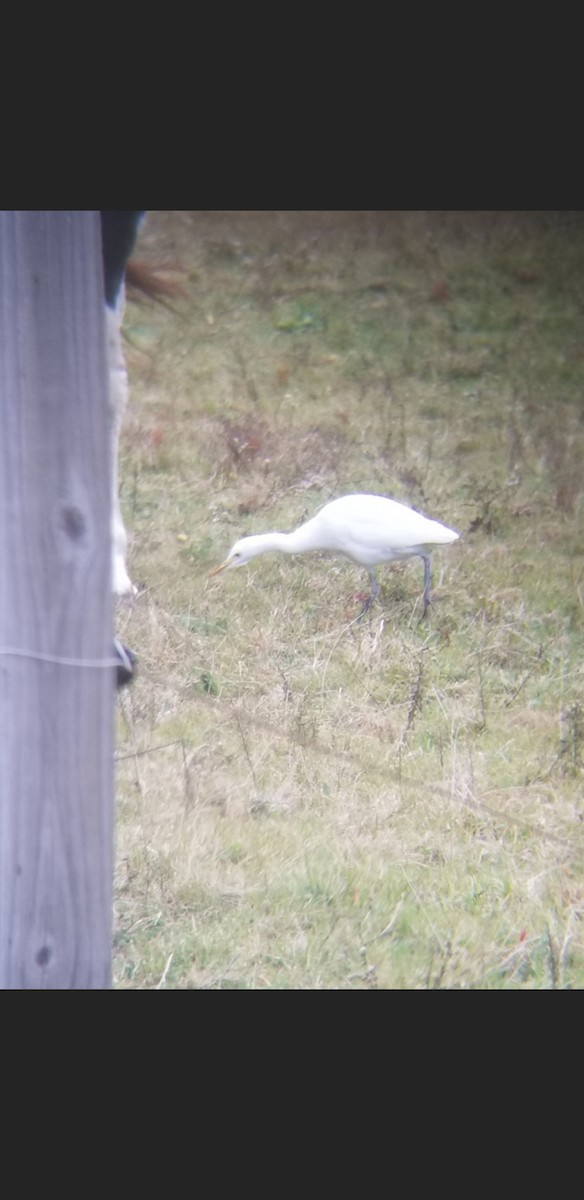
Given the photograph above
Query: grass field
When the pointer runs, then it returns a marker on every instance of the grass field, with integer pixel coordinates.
(305, 800)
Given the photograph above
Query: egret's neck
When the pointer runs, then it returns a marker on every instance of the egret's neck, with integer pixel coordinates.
(287, 543)
(263, 543)
(302, 539)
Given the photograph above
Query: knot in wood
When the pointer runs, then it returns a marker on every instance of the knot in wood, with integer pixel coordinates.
(73, 522)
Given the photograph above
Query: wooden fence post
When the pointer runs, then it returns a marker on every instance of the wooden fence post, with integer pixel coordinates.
(56, 695)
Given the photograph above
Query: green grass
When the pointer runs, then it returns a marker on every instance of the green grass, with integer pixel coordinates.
(308, 801)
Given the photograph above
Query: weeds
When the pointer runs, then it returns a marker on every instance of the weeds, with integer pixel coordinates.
(305, 800)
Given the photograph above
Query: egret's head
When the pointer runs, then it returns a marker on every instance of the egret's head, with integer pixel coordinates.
(241, 553)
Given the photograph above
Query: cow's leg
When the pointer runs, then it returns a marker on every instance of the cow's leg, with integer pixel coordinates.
(121, 582)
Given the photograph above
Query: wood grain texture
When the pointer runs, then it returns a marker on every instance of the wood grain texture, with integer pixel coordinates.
(56, 721)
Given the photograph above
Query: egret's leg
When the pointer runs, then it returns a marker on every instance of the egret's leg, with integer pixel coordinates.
(371, 598)
(426, 558)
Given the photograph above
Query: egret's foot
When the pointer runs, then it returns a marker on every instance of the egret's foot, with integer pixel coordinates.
(366, 607)
(127, 662)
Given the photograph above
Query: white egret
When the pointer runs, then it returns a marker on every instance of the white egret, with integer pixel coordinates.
(367, 529)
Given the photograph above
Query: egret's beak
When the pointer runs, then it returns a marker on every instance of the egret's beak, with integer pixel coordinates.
(217, 570)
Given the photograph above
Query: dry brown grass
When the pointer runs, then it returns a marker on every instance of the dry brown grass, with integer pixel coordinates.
(305, 801)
